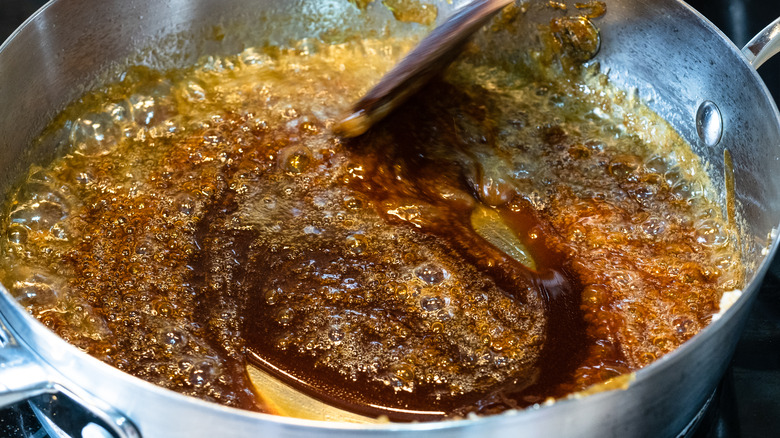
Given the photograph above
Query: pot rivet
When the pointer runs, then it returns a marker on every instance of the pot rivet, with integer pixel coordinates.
(709, 123)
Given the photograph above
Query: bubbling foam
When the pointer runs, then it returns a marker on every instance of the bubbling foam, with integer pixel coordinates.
(503, 240)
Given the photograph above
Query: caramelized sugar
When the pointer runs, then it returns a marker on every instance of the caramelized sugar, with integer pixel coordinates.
(204, 218)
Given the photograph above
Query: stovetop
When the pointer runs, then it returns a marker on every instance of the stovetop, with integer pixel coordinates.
(747, 403)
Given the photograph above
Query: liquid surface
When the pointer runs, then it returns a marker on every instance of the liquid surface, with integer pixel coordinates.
(505, 238)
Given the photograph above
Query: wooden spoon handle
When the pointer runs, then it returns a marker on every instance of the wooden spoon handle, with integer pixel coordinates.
(434, 53)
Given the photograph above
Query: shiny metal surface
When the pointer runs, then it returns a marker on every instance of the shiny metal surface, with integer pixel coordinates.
(709, 123)
(664, 50)
(764, 45)
(23, 376)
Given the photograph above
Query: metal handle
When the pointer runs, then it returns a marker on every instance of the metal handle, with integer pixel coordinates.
(61, 413)
(764, 45)
(21, 377)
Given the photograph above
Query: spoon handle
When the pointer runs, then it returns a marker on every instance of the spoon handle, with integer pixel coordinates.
(432, 55)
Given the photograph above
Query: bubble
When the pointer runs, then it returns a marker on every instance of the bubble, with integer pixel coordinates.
(202, 374)
(595, 295)
(431, 304)
(272, 296)
(192, 91)
(145, 111)
(431, 274)
(120, 112)
(356, 243)
(285, 316)
(683, 326)
(17, 234)
(647, 357)
(295, 159)
(39, 290)
(663, 343)
(723, 261)
(623, 279)
(95, 134)
(656, 164)
(185, 204)
(402, 377)
(579, 151)
(148, 105)
(146, 247)
(174, 338)
(624, 166)
(644, 192)
(495, 187)
(335, 334)
(164, 308)
(577, 233)
(653, 227)
(39, 216)
(673, 176)
(353, 203)
(684, 190)
(710, 233)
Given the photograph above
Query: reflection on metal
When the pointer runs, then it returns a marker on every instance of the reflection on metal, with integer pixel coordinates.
(94, 430)
(286, 401)
(709, 123)
(51, 428)
(764, 45)
(490, 226)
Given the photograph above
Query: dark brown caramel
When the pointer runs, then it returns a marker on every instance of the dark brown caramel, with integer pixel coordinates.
(205, 219)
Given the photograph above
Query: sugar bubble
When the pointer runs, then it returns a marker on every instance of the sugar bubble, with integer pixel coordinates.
(95, 134)
(295, 159)
(711, 233)
(39, 215)
(202, 373)
(431, 304)
(192, 91)
(39, 290)
(356, 243)
(17, 234)
(431, 274)
(653, 226)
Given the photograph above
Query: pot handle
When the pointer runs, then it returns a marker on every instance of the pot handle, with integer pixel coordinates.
(26, 383)
(764, 45)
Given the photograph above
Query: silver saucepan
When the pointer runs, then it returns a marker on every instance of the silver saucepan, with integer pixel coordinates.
(677, 61)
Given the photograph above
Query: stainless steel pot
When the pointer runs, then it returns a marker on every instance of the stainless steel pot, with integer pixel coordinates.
(673, 57)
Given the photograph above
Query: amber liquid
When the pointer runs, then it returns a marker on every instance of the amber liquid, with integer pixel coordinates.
(202, 219)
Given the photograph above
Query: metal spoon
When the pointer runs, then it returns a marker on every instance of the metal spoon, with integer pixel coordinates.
(434, 53)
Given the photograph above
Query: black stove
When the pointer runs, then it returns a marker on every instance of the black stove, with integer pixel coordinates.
(747, 401)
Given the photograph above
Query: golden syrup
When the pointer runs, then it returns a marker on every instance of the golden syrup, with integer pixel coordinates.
(202, 218)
